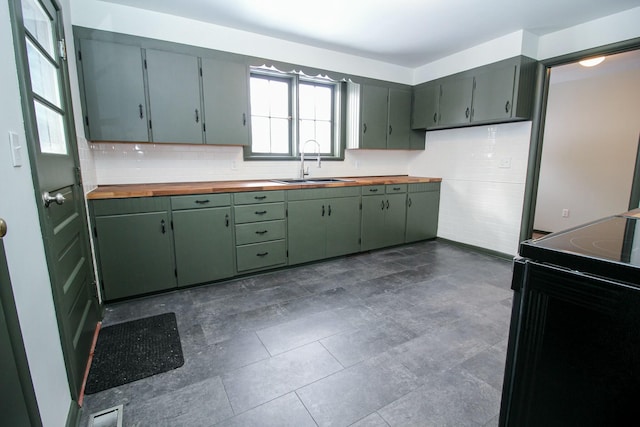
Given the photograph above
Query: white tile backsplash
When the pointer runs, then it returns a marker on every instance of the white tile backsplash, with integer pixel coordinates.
(480, 200)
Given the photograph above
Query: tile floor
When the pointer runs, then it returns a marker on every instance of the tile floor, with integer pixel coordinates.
(408, 336)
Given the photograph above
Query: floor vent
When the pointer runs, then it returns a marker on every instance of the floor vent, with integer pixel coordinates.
(111, 417)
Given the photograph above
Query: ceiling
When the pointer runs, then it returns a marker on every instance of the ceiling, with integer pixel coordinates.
(403, 32)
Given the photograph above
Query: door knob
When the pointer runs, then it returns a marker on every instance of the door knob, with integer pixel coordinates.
(3, 228)
(48, 199)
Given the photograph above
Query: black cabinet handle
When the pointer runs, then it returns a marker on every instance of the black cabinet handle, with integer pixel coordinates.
(203, 202)
(259, 197)
(507, 107)
(322, 210)
(364, 130)
(262, 254)
(396, 188)
(140, 110)
(262, 232)
(197, 116)
(382, 205)
(261, 212)
(387, 204)
(409, 201)
(244, 119)
(226, 220)
(390, 130)
(435, 117)
(163, 226)
(466, 113)
(329, 210)
(373, 190)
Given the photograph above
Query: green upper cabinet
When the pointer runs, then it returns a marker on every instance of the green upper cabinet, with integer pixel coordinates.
(226, 102)
(494, 93)
(455, 101)
(174, 97)
(373, 126)
(114, 93)
(424, 111)
(399, 129)
(423, 203)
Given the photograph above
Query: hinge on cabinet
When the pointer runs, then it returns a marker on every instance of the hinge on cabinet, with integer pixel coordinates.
(78, 175)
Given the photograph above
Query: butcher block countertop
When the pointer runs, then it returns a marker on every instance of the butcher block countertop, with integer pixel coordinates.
(185, 188)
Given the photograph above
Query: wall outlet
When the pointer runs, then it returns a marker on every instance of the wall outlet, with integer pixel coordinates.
(234, 165)
(565, 213)
(505, 163)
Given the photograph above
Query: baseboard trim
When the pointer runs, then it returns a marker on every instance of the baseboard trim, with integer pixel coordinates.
(485, 251)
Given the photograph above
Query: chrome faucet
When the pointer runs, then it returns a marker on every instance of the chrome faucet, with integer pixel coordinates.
(304, 173)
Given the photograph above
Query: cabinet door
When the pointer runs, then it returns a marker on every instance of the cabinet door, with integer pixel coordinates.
(455, 101)
(306, 230)
(373, 213)
(493, 94)
(395, 218)
(203, 245)
(174, 97)
(113, 82)
(226, 102)
(343, 226)
(424, 113)
(399, 132)
(374, 101)
(136, 255)
(422, 215)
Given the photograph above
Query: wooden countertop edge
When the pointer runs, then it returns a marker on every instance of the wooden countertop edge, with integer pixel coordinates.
(186, 188)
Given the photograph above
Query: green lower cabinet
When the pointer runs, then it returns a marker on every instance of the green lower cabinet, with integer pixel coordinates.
(136, 254)
(422, 215)
(257, 256)
(203, 245)
(343, 226)
(383, 220)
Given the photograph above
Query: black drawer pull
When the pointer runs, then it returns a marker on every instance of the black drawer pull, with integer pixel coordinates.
(203, 202)
(226, 220)
(261, 212)
(387, 204)
(409, 201)
(373, 190)
(140, 111)
(396, 188)
(262, 254)
(382, 204)
(163, 227)
(322, 210)
(259, 197)
(329, 210)
(262, 232)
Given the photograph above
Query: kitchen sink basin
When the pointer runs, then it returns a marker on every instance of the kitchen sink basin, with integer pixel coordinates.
(311, 180)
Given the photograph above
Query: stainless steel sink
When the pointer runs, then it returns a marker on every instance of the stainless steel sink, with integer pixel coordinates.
(310, 180)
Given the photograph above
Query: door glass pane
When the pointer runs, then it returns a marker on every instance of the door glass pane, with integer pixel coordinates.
(44, 75)
(38, 23)
(50, 130)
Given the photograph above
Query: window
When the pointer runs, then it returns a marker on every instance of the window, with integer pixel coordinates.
(289, 109)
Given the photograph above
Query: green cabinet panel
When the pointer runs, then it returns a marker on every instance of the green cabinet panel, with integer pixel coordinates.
(257, 232)
(306, 230)
(203, 245)
(493, 94)
(384, 217)
(200, 201)
(455, 101)
(261, 255)
(399, 128)
(342, 226)
(374, 115)
(135, 254)
(373, 222)
(424, 112)
(395, 219)
(259, 212)
(422, 215)
(226, 102)
(114, 94)
(174, 97)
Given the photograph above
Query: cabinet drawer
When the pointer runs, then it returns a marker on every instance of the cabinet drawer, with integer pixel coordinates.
(261, 212)
(322, 193)
(258, 197)
(396, 188)
(130, 205)
(257, 232)
(200, 201)
(372, 190)
(419, 187)
(261, 255)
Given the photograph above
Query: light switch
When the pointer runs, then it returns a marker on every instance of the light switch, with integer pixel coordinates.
(505, 163)
(16, 149)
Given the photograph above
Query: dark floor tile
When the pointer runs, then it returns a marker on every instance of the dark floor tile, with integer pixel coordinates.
(488, 366)
(349, 395)
(263, 381)
(326, 300)
(377, 285)
(351, 347)
(200, 404)
(373, 420)
(451, 398)
(285, 411)
(174, 302)
(219, 358)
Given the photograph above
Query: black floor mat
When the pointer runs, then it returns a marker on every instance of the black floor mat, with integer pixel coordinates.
(133, 350)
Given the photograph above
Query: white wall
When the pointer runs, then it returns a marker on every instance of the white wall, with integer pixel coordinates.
(480, 201)
(589, 149)
(25, 251)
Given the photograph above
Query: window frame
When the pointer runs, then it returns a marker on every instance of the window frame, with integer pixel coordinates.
(338, 120)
